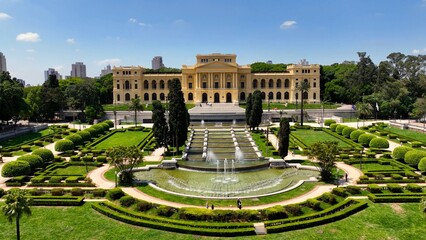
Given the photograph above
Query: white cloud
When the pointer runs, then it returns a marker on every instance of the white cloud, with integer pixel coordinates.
(70, 40)
(142, 24)
(30, 51)
(419, 51)
(288, 24)
(28, 37)
(416, 51)
(59, 67)
(133, 20)
(110, 61)
(4, 16)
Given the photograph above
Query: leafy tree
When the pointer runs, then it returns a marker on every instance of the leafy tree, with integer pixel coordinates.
(17, 204)
(303, 87)
(363, 110)
(256, 111)
(93, 111)
(360, 83)
(160, 127)
(135, 105)
(178, 114)
(34, 102)
(267, 67)
(81, 95)
(325, 153)
(284, 137)
(249, 106)
(419, 110)
(11, 97)
(51, 97)
(124, 159)
(104, 85)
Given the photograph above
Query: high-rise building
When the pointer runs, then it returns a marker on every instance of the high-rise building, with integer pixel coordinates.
(157, 62)
(2, 62)
(78, 69)
(51, 71)
(106, 71)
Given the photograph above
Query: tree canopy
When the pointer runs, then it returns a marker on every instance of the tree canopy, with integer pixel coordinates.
(325, 153)
(178, 114)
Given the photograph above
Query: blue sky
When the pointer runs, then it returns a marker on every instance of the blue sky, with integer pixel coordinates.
(36, 35)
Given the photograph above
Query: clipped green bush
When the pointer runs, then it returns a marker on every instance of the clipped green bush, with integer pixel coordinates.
(105, 126)
(399, 152)
(340, 192)
(45, 154)
(38, 143)
(35, 161)
(328, 198)
(379, 143)
(413, 157)
(76, 139)
(143, 206)
(333, 127)
(353, 189)
(2, 192)
(77, 192)
(109, 122)
(126, 201)
(412, 187)
(64, 145)
(98, 192)
(16, 168)
(422, 164)
(101, 159)
(26, 148)
(346, 132)
(115, 193)
(395, 188)
(374, 188)
(93, 132)
(57, 192)
(328, 122)
(165, 211)
(365, 139)
(416, 144)
(275, 212)
(355, 135)
(85, 135)
(339, 129)
(314, 204)
(99, 129)
(75, 158)
(293, 209)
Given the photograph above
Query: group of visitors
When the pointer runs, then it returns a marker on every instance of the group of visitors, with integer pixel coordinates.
(239, 204)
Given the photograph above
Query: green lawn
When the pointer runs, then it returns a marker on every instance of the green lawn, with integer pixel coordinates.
(109, 175)
(261, 144)
(377, 222)
(25, 137)
(408, 133)
(310, 137)
(73, 170)
(374, 167)
(127, 138)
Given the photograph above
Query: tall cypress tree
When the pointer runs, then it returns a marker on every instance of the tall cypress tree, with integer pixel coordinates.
(160, 127)
(249, 106)
(284, 137)
(256, 111)
(178, 114)
(52, 98)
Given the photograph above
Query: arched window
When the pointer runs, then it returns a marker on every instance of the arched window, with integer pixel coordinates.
(118, 97)
(154, 96)
(270, 95)
(145, 84)
(278, 83)
(263, 95)
(190, 97)
(126, 85)
(146, 97)
(262, 83)
(286, 96)
(305, 95)
(127, 97)
(286, 83)
(154, 84)
(278, 95)
(254, 83)
(228, 97)
(315, 95)
(306, 81)
(242, 96)
(162, 98)
(161, 84)
(271, 83)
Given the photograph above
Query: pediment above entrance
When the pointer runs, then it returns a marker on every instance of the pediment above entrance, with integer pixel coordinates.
(220, 66)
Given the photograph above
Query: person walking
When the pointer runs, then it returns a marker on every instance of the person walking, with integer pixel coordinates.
(212, 206)
(239, 204)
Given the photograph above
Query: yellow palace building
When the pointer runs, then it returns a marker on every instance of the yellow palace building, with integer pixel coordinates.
(217, 78)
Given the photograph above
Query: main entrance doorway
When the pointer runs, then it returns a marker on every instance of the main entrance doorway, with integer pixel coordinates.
(228, 97)
(204, 98)
(216, 98)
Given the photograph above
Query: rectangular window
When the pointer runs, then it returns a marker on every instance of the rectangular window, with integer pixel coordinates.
(216, 84)
(204, 85)
(315, 84)
(136, 86)
(242, 85)
(228, 84)
(118, 86)
(190, 85)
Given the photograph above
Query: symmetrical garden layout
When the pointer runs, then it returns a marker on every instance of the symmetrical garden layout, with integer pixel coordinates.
(390, 175)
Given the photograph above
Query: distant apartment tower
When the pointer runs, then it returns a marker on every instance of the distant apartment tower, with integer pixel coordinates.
(2, 62)
(157, 62)
(106, 71)
(78, 69)
(51, 71)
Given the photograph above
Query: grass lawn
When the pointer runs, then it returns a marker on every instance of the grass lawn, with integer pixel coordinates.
(73, 170)
(310, 137)
(127, 138)
(261, 143)
(109, 175)
(408, 133)
(374, 167)
(377, 222)
(25, 137)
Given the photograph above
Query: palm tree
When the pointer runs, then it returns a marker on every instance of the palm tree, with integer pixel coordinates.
(303, 87)
(135, 105)
(16, 205)
(363, 109)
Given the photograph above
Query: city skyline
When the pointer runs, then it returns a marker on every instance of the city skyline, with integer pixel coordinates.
(99, 33)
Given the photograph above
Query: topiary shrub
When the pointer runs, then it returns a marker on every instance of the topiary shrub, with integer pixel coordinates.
(110, 123)
(413, 157)
(77, 192)
(379, 143)
(314, 204)
(64, 145)
(365, 139)
(374, 188)
(412, 187)
(101, 159)
(75, 158)
(422, 164)
(395, 188)
(339, 129)
(399, 152)
(355, 135)
(26, 148)
(353, 189)
(346, 132)
(143, 206)
(340, 192)
(93, 132)
(76, 139)
(333, 127)
(45, 154)
(105, 126)
(416, 144)
(2, 192)
(57, 192)
(98, 192)
(328, 198)
(165, 211)
(35, 161)
(99, 129)
(16, 168)
(85, 135)
(328, 122)
(126, 201)
(115, 193)
(38, 143)
(293, 209)
(275, 212)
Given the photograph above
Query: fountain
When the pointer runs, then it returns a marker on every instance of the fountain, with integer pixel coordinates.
(239, 155)
(202, 123)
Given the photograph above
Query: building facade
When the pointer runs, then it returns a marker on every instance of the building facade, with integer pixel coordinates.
(157, 62)
(78, 69)
(217, 78)
(3, 66)
(52, 71)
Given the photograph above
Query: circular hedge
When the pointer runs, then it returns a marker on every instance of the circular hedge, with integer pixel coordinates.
(104, 125)
(422, 164)
(413, 157)
(99, 129)
(45, 154)
(64, 145)
(85, 135)
(365, 139)
(399, 152)
(355, 135)
(110, 123)
(328, 122)
(93, 132)
(379, 143)
(76, 139)
(35, 161)
(16, 168)
(339, 129)
(347, 131)
(333, 127)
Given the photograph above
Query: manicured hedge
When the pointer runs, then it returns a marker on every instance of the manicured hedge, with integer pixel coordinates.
(333, 127)
(413, 157)
(365, 139)
(109, 122)
(56, 201)
(127, 201)
(328, 122)
(16, 168)
(379, 143)
(347, 131)
(422, 164)
(45, 154)
(76, 139)
(355, 135)
(396, 197)
(399, 152)
(64, 145)
(85, 135)
(35, 161)
(115, 193)
(93, 132)
(412, 187)
(339, 129)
